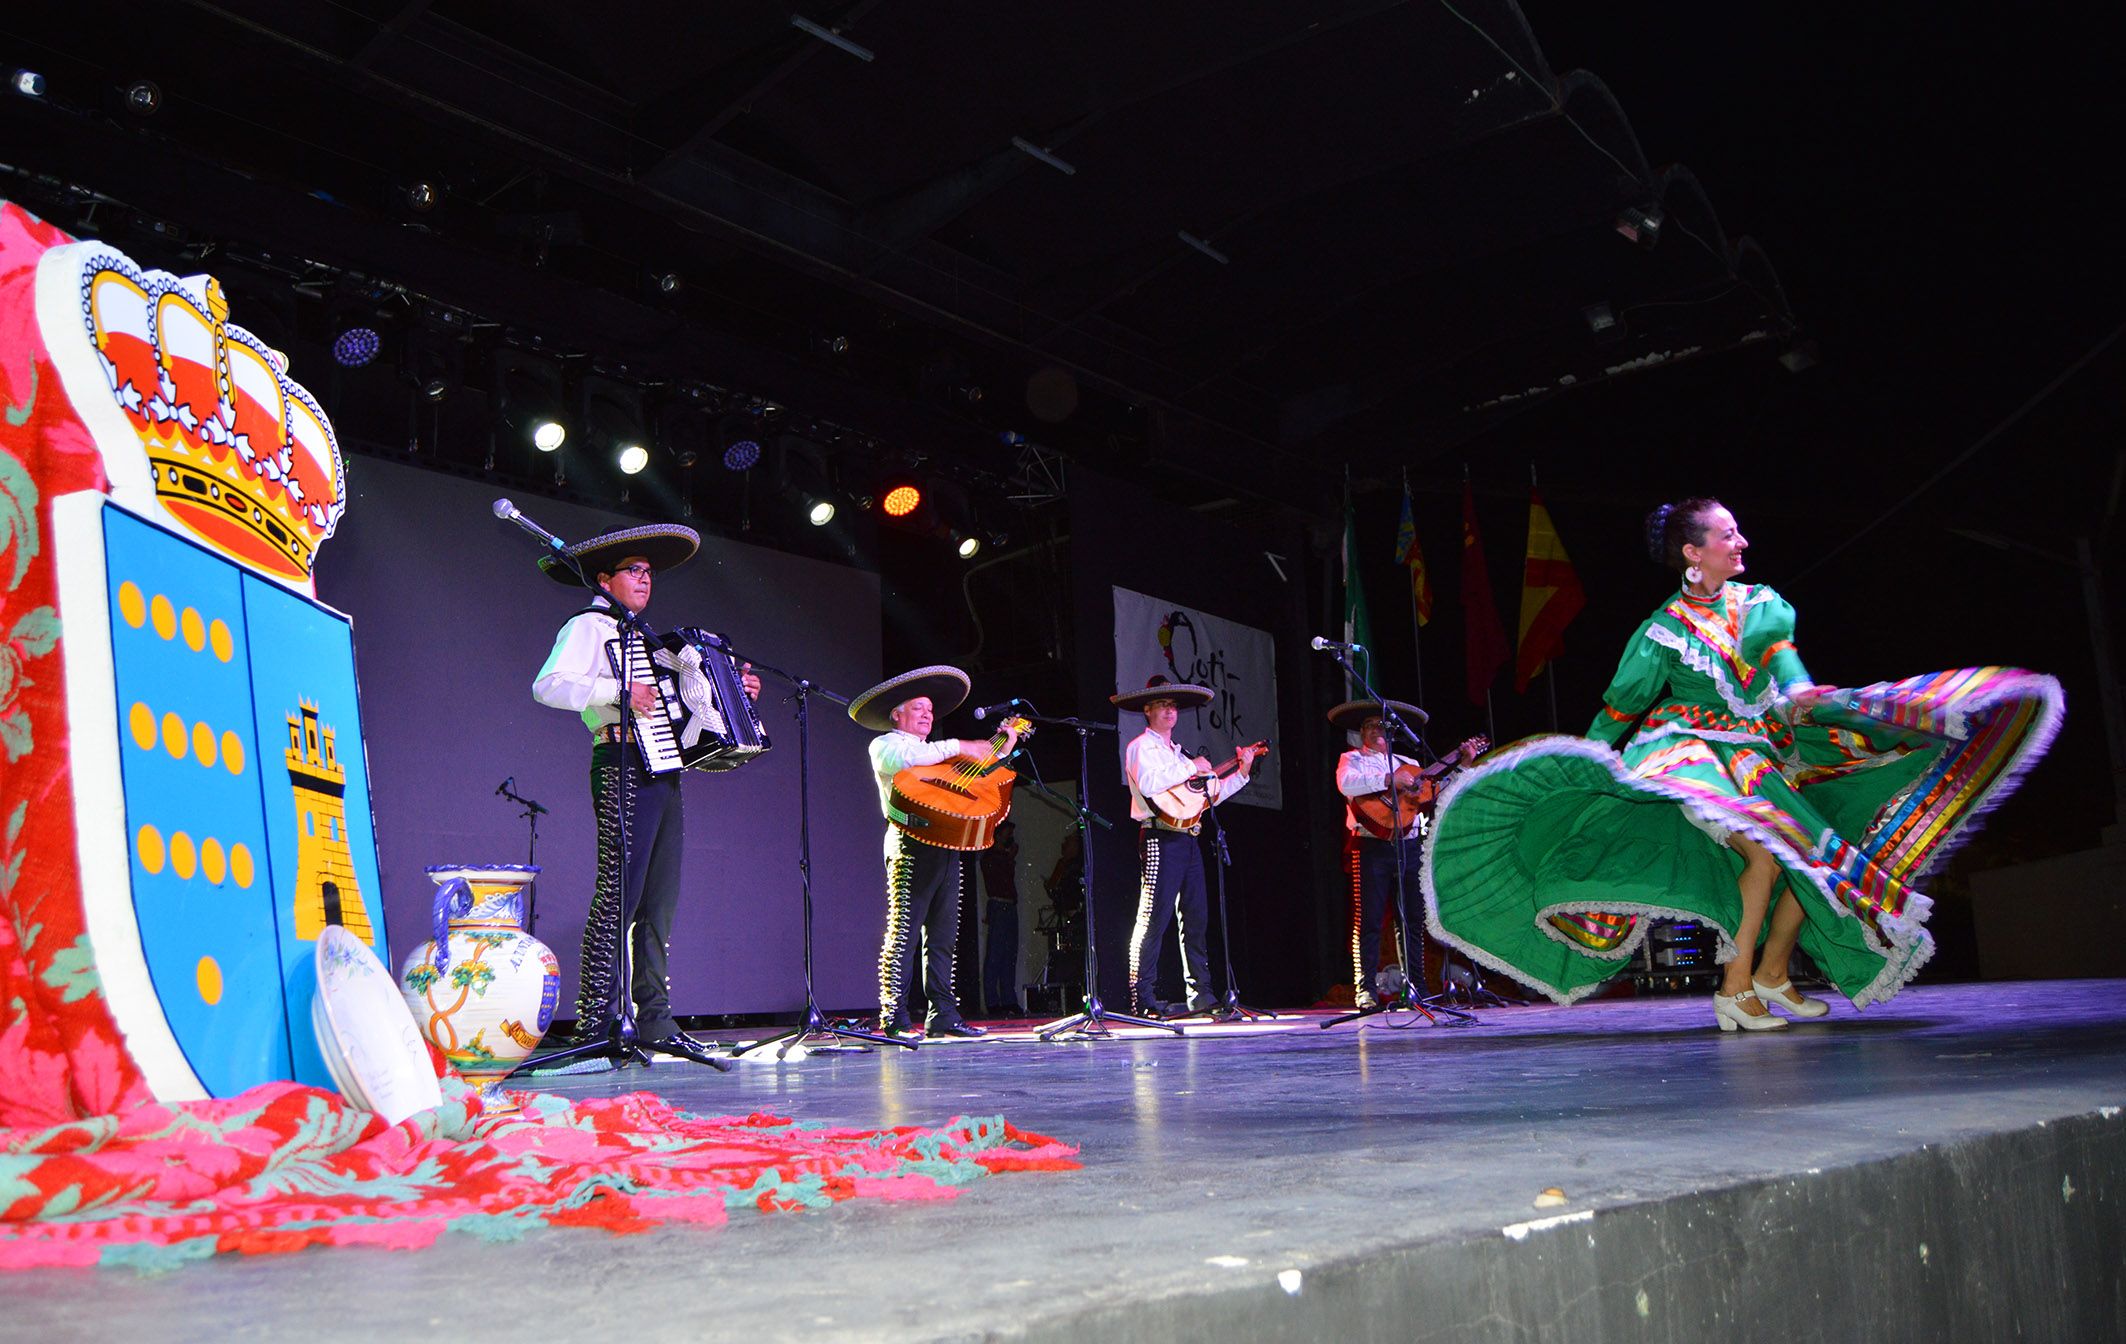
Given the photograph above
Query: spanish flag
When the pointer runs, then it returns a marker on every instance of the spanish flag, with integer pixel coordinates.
(1550, 595)
(1408, 553)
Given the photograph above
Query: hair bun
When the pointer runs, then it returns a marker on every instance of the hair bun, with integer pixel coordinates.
(1657, 534)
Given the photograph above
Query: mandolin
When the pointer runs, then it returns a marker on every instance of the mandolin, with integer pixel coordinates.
(957, 804)
(1184, 803)
(1416, 788)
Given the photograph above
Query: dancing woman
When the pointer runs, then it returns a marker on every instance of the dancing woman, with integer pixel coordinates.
(1719, 776)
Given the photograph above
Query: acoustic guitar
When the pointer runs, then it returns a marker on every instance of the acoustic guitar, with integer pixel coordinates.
(956, 804)
(1416, 788)
(1184, 803)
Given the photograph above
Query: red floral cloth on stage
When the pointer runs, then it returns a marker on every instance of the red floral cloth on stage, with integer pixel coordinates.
(284, 1166)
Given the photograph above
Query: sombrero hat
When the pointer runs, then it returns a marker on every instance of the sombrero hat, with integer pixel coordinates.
(946, 686)
(1352, 713)
(666, 546)
(1183, 694)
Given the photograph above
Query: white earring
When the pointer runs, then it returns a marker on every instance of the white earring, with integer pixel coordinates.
(1694, 576)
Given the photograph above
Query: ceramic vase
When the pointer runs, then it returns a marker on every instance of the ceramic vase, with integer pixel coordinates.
(482, 989)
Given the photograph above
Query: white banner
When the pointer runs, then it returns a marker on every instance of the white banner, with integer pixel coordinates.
(1154, 637)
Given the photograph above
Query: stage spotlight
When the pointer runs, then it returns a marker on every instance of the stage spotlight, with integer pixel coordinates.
(740, 435)
(667, 282)
(1641, 225)
(902, 500)
(819, 512)
(969, 547)
(28, 83)
(142, 98)
(530, 398)
(421, 197)
(356, 346)
(633, 458)
(435, 389)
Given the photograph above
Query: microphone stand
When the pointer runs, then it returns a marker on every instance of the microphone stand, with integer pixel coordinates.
(815, 1022)
(531, 814)
(1091, 1023)
(1412, 938)
(619, 1045)
(1228, 1007)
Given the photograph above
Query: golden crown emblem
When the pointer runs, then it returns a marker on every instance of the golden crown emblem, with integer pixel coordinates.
(242, 456)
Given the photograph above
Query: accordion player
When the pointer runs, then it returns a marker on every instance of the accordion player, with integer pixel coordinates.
(703, 720)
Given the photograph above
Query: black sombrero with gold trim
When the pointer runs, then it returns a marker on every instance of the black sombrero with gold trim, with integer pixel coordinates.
(666, 546)
(1184, 695)
(1351, 714)
(946, 686)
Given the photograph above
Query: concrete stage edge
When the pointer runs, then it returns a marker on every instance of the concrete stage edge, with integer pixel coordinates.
(1951, 1165)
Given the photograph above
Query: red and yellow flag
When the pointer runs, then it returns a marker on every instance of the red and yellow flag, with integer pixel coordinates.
(1550, 595)
(1407, 552)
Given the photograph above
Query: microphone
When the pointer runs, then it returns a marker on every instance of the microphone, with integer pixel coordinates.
(508, 513)
(502, 789)
(1320, 644)
(986, 710)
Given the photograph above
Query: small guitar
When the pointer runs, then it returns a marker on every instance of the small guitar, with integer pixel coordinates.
(1184, 803)
(1416, 788)
(957, 804)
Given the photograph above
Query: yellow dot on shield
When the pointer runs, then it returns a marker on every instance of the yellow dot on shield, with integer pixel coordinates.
(224, 643)
(164, 615)
(232, 752)
(209, 981)
(131, 605)
(184, 860)
(240, 864)
(203, 744)
(195, 628)
(174, 738)
(212, 861)
(142, 720)
(148, 843)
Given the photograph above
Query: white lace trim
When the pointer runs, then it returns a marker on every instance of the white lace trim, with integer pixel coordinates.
(1907, 947)
(1695, 657)
(1677, 728)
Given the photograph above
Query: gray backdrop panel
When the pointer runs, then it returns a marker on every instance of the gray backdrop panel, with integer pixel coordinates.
(451, 623)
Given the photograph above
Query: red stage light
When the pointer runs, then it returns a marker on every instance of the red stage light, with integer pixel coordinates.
(902, 500)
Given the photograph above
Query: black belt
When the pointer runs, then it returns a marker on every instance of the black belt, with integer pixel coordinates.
(1171, 829)
(611, 733)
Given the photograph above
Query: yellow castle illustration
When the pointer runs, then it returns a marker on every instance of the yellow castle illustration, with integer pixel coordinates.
(326, 891)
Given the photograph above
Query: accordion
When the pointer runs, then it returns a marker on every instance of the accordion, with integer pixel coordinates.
(703, 720)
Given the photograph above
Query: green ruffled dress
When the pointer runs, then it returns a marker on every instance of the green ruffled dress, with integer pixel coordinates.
(1548, 860)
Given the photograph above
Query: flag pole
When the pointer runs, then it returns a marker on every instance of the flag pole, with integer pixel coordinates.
(1550, 665)
(1417, 629)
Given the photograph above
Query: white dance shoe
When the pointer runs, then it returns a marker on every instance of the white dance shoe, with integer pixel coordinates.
(1731, 1015)
(1789, 1000)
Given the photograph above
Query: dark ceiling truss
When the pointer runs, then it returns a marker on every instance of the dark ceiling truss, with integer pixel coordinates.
(1408, 209)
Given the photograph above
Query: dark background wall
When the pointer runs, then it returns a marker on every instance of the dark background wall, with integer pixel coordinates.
(1282, 887)
(451, 623)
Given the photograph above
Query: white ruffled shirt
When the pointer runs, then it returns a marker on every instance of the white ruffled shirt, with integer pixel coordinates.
(894, 752)
(1152, 764)
(578, 676)
(1360, 772)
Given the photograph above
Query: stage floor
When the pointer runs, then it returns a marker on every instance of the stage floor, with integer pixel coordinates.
(1262, 1160)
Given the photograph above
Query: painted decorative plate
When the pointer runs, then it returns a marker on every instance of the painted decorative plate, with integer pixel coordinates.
(370, 1042)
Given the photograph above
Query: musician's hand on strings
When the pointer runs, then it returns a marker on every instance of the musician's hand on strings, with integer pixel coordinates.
(641, 697)
(749, 679)
(1203, 765)
(1247, 756)
(1011, 739)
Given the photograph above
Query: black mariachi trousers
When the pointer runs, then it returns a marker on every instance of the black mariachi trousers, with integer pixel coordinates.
(637, 905)
(1170, 884)
(922, 898)
(1370, 863)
